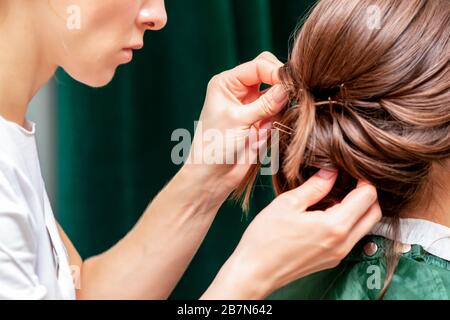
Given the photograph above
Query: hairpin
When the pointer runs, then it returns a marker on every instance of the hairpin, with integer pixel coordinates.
(343, 96)
(283, 128)
(329, 102)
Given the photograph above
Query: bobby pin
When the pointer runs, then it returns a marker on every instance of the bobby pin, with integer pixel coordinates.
(283, 128)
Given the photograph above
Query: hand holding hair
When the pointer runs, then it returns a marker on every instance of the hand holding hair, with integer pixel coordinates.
(286, 241)
(236, 107)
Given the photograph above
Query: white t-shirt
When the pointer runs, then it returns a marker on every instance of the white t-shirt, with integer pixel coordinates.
(33, 259)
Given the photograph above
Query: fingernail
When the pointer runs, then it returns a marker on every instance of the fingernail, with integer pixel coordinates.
(326, 174)
(279, 94)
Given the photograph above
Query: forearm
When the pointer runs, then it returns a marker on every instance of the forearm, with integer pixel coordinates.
(150, 260)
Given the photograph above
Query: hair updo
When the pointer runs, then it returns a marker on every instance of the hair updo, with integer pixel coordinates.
(388, 118)
(371, 101)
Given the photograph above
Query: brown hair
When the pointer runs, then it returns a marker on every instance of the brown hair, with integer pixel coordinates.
(371, 102)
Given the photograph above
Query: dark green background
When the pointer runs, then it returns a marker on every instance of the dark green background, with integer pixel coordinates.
(114, 143)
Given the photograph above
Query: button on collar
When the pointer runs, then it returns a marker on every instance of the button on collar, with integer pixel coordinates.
(405, 248)
(370, 248)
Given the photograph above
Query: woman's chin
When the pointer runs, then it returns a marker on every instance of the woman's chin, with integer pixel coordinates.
(95, 76)
(99, 83)
(97, 79)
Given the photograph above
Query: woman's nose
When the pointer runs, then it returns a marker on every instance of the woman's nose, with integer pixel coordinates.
(152, 15)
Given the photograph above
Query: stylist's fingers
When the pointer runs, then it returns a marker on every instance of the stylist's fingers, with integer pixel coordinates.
(267, 106)
(263, 69)
(270, 57)
(355, 204)
(313, 190)
(364, 225)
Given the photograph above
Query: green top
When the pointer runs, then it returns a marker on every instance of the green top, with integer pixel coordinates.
(419, 276)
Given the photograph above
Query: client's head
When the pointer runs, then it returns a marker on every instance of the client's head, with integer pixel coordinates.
(369, 82)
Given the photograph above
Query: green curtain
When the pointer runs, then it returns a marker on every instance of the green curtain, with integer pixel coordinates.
(115, 143)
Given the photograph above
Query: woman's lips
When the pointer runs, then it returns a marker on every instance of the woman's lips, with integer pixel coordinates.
(127, 53)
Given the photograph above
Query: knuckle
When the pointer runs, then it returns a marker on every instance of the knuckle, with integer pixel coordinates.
(266, 55)
(261, 64)
(214, 81)
(371, 192)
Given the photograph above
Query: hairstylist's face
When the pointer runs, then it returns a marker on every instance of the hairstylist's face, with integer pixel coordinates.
(99, 35)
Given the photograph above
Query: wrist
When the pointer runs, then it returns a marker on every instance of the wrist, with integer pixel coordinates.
(238, 280)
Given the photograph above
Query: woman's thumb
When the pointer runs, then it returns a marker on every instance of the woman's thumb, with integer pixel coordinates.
(267, 106)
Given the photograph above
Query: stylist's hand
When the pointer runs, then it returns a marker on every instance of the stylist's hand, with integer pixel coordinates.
(286, 242)
(234, 110)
